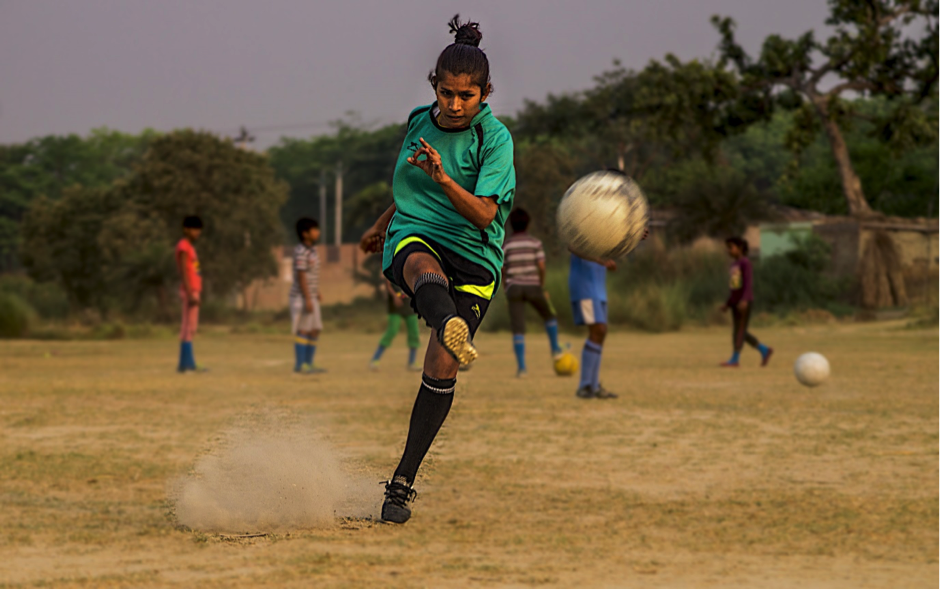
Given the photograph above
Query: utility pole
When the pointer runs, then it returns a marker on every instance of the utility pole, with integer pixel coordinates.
(323, 203)
(338, 235)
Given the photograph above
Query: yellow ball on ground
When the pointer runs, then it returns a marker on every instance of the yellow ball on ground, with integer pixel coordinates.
(566, 364)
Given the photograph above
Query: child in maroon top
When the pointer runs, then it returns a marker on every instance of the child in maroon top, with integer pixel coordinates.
(739, 302)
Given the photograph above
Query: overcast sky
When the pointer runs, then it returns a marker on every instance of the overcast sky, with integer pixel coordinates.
(289, 67)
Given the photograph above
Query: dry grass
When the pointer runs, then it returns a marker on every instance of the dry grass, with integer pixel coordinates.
(696, 476)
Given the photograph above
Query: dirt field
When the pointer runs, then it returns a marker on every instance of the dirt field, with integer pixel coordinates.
(696, 476)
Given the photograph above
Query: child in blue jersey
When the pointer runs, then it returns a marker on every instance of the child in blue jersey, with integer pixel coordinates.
(442, 238)
(587, 287)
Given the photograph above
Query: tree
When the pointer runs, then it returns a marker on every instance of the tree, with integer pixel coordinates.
(46, 166)
(60, 243)
(716, 201)
(233, 190)
(544, 171)
(111, 246)
(368, 157)
(136, 256)
(868, 54)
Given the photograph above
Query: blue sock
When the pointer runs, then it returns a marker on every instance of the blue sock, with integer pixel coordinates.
(183, 358)
(190, 358)
(518, 345)
(310, 350)
(412, 355)
(596, 380)
(590, 363)
(551, 326)
(300, 346)
(735, 356)
(763, 349)
(378, 353)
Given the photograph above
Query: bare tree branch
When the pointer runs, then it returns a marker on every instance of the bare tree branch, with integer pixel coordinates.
(886, 19)
(857, 85)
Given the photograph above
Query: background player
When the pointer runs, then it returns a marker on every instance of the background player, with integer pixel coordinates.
(587, 287)
(453, 187)
(740, 299)
(524, 278)
(187, 263)
(304, 300)
(399, 307)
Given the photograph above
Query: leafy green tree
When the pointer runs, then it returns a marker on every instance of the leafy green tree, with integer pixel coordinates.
(544, 170)
(367, 157)
(60, 243)
(46, 166)
(870, 53)
(364, 207)
(717, 201)
(137, 258)
(234, 191)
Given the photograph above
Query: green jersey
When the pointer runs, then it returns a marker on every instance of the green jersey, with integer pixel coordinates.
(479, 159)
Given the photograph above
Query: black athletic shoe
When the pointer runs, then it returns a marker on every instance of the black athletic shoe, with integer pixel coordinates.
(454, 336)
(586, 392)
(602, 393)
(398, 498)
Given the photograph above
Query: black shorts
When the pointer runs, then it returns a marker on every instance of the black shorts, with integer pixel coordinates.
(472, 286)
(519, 296)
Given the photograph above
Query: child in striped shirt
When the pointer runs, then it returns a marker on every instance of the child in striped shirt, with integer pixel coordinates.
(306, 322)
(524, 278)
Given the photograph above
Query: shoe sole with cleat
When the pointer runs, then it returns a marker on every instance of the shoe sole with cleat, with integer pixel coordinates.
(456, 340)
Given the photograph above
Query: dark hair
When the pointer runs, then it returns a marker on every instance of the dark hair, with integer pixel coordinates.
(305, 224)
(192, 221)
(740, 242)
(519, 219)
(464, 56)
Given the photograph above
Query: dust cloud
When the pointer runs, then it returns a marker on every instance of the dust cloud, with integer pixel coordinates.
(271, 472)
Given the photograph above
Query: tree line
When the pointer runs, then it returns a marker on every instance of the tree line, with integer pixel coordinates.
(844, 125)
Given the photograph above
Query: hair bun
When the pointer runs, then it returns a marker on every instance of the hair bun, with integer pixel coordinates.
(465, 34)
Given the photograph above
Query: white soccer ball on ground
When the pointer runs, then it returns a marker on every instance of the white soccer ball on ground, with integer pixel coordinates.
(811, 369)
(603, 215)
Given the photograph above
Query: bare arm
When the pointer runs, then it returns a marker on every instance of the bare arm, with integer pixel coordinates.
(305, 290)
(541, 265)
(480, 211)
(374, 238)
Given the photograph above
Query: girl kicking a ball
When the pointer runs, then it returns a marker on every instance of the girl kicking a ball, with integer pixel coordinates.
(442, 238)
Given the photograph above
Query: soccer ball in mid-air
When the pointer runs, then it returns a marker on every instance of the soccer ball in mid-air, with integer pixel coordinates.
(566, 364)
(603, 215)
(811, 369)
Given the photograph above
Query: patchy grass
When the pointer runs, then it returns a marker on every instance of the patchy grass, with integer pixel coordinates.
(696, 476)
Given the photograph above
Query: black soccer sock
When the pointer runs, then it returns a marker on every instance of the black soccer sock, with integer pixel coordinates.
(433, 300)
(431, 407)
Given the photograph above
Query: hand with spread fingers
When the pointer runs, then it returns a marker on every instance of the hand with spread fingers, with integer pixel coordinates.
(431, 164)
